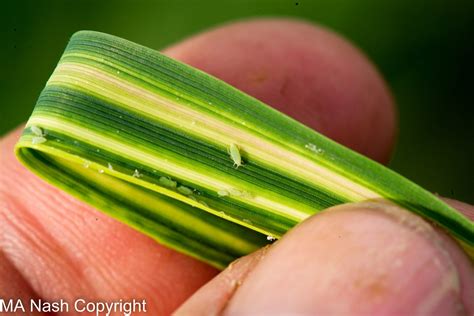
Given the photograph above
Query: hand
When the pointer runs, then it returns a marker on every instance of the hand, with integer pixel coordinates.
(358, 259)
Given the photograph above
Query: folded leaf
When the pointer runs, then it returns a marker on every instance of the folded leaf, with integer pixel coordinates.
(191, 161)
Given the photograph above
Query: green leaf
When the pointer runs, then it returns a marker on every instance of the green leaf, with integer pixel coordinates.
(191, 161)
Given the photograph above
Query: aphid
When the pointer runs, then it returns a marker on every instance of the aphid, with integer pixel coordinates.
(101, 170)
(167, 182)
(36, 130)
(137, 174)
(314, 148)
(223, 192)
(235, 192)
(109, 165)
(235, 155)
(38, 140)
(203, 203)
(184, 190)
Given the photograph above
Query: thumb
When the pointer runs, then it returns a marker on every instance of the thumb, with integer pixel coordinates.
(368, 258)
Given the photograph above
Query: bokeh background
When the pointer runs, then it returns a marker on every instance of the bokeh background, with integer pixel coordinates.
(424, 49)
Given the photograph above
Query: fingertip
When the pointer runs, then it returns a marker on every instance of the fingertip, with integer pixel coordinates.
(305, 71)
(357, 259)
(213, 297)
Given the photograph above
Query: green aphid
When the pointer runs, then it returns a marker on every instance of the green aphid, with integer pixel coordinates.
(167, 182)
(36, 130)
(184, 190)
(234, 153)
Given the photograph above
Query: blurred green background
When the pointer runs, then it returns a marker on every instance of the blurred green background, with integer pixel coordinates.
(423, 48)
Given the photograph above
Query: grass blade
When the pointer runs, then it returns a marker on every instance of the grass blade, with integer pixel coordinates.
(190, 160)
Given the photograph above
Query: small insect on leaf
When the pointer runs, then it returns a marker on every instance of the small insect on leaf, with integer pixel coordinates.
(223, 192)
(185, 190)
(314, 148)
(36, 130)
(235, 155)
(167, 182)
(137, 174)
(239, 193)
(38, 140)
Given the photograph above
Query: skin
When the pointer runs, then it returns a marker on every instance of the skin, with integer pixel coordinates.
(360, 258)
